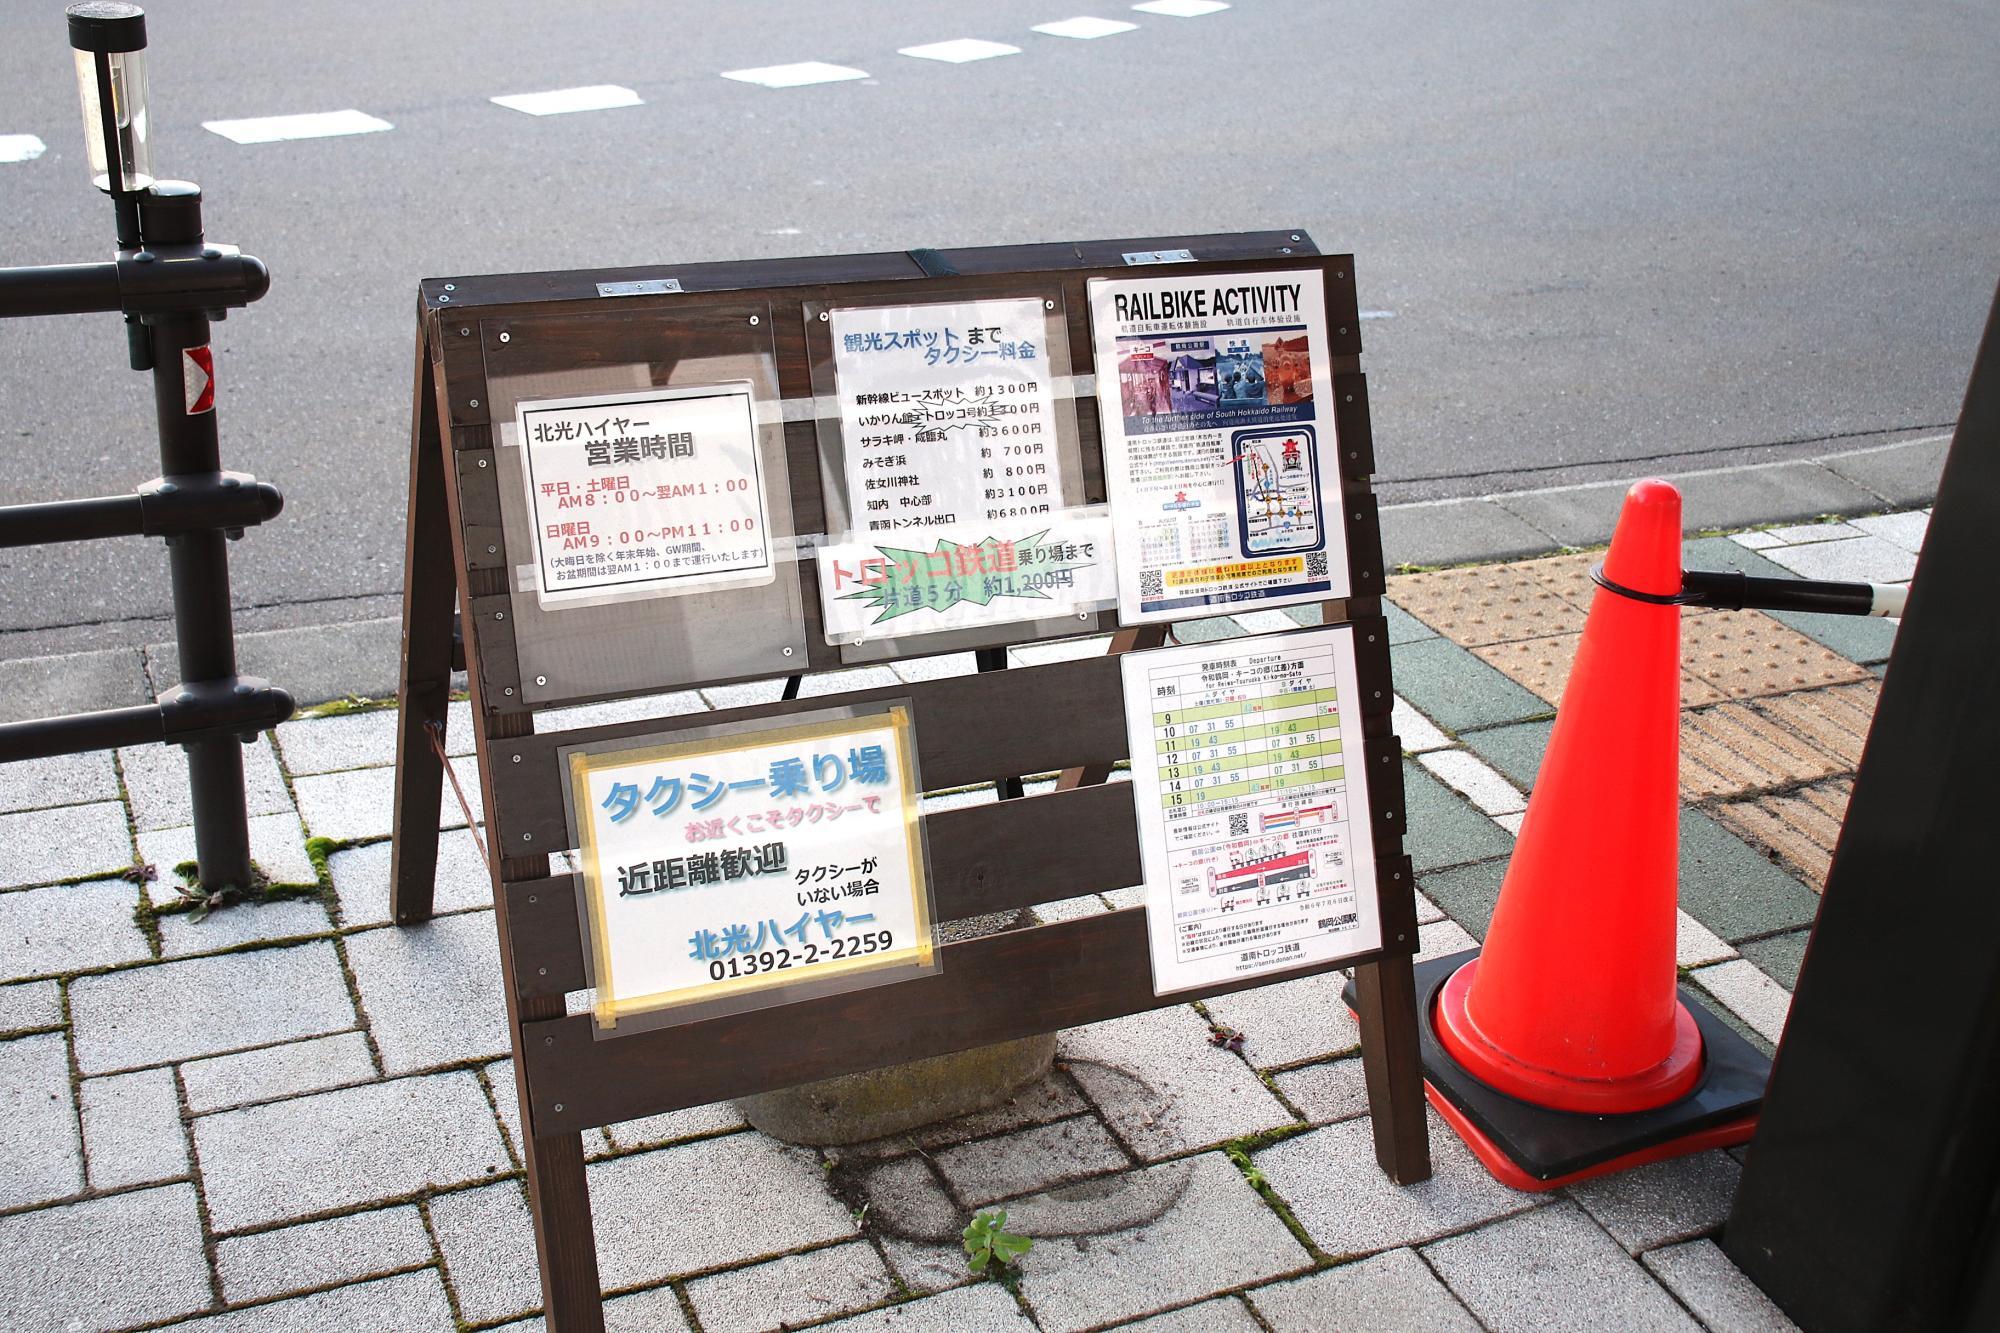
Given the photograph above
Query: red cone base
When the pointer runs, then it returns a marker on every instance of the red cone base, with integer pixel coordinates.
(1668, 1081)
(1495, 1159)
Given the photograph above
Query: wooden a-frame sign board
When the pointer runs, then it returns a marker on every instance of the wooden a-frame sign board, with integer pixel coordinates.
(482, 341)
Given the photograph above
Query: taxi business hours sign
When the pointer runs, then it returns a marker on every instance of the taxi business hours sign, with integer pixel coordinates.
(719, 870)
(648, 494)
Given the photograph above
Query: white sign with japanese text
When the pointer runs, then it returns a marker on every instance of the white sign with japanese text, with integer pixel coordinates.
(718, 871)
(965, 576)
(649, 494)
(954, 475)
(1215, 400)
(1253, 828)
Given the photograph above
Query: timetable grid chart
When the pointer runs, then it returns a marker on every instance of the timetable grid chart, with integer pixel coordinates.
(1248, 732)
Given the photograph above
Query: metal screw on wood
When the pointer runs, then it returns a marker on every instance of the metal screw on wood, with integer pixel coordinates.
(499, 615)
(558, 1108)
(492, 550)
(474, 402)
(465, 333)
(788, 652)
(1297, 237)
(822, 316)
(444, 298)
(517, 758)
(506, 337)
(1048, 305)
(541, 680)
(451, 286)
(527, 837)
(753, 320)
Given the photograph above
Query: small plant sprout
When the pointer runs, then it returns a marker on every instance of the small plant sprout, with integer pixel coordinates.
(1251, 1171)
(988, 1240)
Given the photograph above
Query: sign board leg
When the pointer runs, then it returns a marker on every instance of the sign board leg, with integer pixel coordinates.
(565, 1240)
(423, 689)
(1386, 1003)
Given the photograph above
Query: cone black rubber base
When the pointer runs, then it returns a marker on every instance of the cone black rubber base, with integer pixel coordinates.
(1533, 1148)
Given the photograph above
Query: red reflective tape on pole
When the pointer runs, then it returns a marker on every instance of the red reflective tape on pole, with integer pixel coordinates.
(198, 369)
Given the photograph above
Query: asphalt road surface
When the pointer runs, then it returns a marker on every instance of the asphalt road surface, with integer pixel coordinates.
(1593, 240)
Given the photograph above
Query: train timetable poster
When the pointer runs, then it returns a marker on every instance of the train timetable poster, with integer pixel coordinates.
(1214, 392)
(1254, 833)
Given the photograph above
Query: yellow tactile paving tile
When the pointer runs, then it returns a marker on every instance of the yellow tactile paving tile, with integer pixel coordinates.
(1543, 665)
(1835, 720)
(1745, 654)
(1801, 826)
(1483, 604)
(1734, 749)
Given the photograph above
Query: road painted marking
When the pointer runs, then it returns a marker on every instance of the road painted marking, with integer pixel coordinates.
(1181, 9)
(795, 76)
(1084, 28)
(562, 101)
(960, 50)
(311, 125)
(21, 148)
(784, 231)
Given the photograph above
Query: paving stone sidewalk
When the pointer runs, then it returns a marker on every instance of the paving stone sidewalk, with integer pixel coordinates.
(292, 1115)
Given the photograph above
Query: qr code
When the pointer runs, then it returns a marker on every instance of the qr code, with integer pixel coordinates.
(1316, 564)
(1239, 824)
(1152, 583)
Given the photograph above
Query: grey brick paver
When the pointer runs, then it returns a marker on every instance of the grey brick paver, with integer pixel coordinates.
(1031, 1159)
(1553, 1268)
(156, 783)
(1190, 1093)
(985, 1307)
(1662, 1201)
(1077, 1283)
(360, 803)
(69, 928)
(314, 1065)
(1453, 531)
(40, 1157)
(1467, 893)
(1390, 1291)
(81, 840)
(1291, 1021)
(104, 1263)
(32, 1004)
(132, 1129)
(702, 1205)
(181, 936)
(488, 1242)
(1779, 957)
(277, 847)
(64, 779)
(1225, 1315)
(1328, 1092)
(319, 1254)
(205, 1006)
(1906, 529)
(334, 1150)
(432, 992)
(410, 1303)
(361, 879)
(1338, 1193)
(1716, 1290)
(360, 740)
(1862, 559)
(791, 1290)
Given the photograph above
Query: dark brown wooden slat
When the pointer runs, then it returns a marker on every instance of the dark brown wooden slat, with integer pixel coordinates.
(1350, 419)
(485, 547)
(967, 728)
(1362, 523)
(478, 487)
(992, 989)
(499, 663)
(488, 290)
(1085, 841)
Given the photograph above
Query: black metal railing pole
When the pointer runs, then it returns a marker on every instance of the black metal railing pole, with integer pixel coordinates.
(198, 561)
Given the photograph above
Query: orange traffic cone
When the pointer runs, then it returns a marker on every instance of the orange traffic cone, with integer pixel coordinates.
(1564, 1048)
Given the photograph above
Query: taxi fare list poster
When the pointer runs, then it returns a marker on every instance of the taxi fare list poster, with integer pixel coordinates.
(1254, 831)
